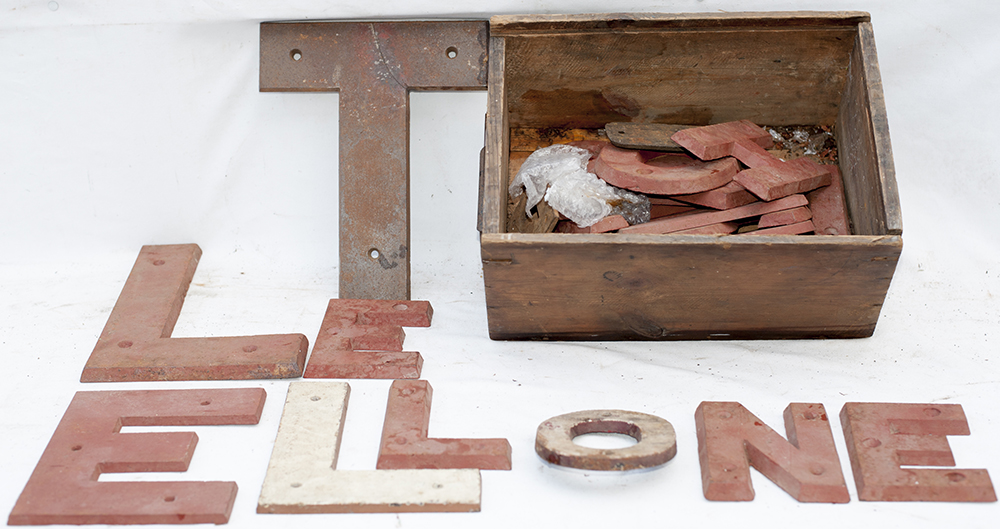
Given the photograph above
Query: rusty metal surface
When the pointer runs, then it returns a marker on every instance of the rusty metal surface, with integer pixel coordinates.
(64, 488)
(882, 437)
(136, 343)
(373, 65)
(405, 443)
(731, 440)
(657, 442)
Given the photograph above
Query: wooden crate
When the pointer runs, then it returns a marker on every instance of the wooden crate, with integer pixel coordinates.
(550, 73)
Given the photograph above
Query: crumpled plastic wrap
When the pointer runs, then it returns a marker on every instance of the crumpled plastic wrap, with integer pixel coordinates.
(558, 174)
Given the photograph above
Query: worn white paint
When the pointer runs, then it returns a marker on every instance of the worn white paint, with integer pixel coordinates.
(302, 476)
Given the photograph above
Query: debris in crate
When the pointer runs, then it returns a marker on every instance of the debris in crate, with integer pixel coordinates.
(662, 173)
(728, 196)
(559, 175)
(527, 140)
(657, 211)
(664, 201)
(609, 223)
(721, 228)
(796, 141)
(789, 229)
(695, 220)
(643, 170)
(788, 216)
(780, 179)
(724, 139)
(829, 210)
(644, 136)
(543, 220)
(768, 177)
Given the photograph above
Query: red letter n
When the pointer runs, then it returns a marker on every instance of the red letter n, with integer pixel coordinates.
(731, 439)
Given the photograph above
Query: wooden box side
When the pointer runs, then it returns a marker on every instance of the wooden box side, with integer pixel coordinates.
(493, 181)
(681, 70)
(599, 287)
(863, 143)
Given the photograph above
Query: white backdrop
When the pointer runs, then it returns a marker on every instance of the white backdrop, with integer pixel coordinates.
(128, 123)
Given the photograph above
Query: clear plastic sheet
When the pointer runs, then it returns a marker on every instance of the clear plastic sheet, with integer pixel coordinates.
(558, 174)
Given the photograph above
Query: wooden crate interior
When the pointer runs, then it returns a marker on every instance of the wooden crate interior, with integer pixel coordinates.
(580, 76)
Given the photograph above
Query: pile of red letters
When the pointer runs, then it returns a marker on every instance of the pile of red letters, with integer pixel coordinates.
(708, 193)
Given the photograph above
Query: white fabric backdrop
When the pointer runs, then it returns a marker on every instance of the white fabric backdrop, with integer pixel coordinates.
(131, 123)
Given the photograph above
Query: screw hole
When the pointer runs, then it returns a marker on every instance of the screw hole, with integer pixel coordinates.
(315, 398)
(296, 485)
(206, 402)
(159, 262)
(451, 52)
(170, 498)
(932, 412)
(125, 344)
(249, 348)
(76, 448)
(373, 253)
(296, 55)
(871, 442)
(809, 416)
(400, 306)
(955, 477)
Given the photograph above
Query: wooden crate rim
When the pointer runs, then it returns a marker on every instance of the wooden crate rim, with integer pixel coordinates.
(514, 25)
(667, 239)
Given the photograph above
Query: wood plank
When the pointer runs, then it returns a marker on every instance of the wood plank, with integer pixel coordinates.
(869, 183)
(658, 287)
(648, 136)
(508, 25)
(493, 195)
(880, 130)
(778, 76)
